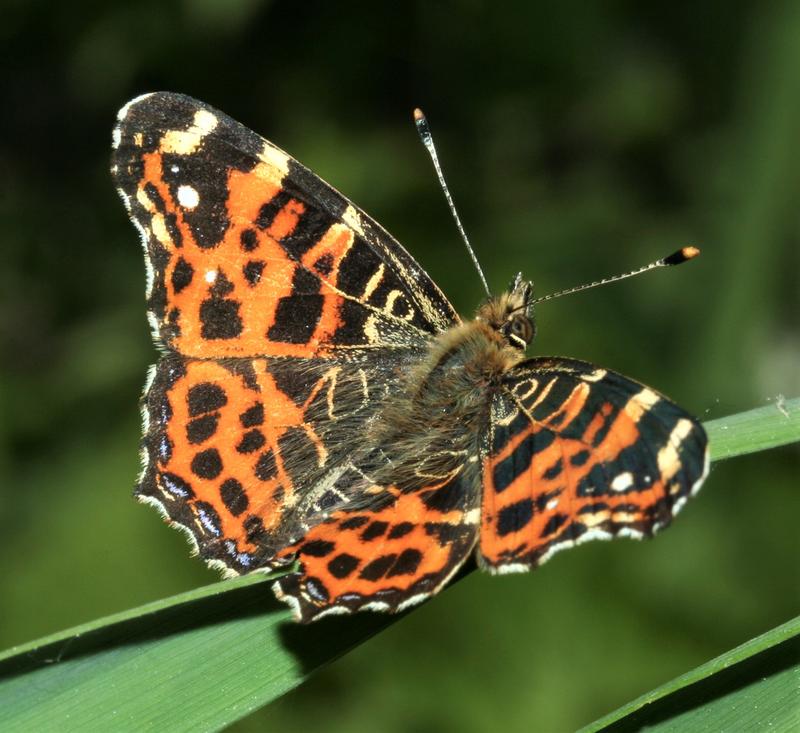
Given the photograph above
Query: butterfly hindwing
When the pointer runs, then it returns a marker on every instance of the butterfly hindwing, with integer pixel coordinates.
(249, 253)
(236, 451)
(576, 452)
(386, 556)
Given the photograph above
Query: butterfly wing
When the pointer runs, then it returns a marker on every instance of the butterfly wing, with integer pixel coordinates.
(391, 554)
(249, 253)
(241, 453)
(284, 313)
(574, 453)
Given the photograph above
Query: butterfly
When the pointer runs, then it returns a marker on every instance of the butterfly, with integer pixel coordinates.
(320, 407)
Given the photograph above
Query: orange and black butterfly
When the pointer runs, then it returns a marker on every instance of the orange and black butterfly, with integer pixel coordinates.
(319, 405)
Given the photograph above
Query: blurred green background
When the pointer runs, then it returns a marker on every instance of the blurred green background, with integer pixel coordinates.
(580, 139)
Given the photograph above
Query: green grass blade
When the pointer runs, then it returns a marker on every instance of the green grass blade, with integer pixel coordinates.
(202, 660)
(197, 661)
(752, 687)
(755, 430)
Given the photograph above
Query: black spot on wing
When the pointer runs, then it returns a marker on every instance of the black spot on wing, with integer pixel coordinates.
(514, 517)
(233, 496)
(296, 318)
(406, 564)
(254, 527)
(182, 275)
(375, 530)
(202, 428)
(342, 565)
(221, 287)
(251, 441)
(271, 209)
(354, 522)
(248, 239)
(252, 416)
(554, 524)
(252, 271)
(324, 265)
(220, 319)
(580, 458)
(400, 530)
(206, 397)
(317, 548)
(207, 464)
(554, 471)
(376, 569)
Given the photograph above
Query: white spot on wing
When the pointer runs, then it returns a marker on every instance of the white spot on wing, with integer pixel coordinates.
(622, 482)
(352, 218)
(640, 403)
(276, 158)
(333, 611)
(373, 282)
(508, 569)
(123, 113)
(188, 197)
(412, 601)
(669, 461)
(186, 142)
(595, 376)
(210, 276)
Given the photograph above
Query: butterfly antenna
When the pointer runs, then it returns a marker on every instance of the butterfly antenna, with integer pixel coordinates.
(427, 140)
(676, 258)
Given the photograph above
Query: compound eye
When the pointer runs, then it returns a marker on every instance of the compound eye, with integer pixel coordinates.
(520, 331)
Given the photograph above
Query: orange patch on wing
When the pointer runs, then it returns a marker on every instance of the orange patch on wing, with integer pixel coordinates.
(279, 413)
(286, 220)
(404, 559)
(533, 482)
(152, 175)
(248, 192)
(256, 299)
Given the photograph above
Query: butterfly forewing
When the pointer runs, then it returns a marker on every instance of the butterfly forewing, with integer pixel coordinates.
(249, 253)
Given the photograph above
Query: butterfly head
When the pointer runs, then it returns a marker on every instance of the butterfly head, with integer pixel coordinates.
(511, 314)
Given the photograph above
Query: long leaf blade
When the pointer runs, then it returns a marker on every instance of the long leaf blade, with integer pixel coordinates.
(755, 430)
(756, 685)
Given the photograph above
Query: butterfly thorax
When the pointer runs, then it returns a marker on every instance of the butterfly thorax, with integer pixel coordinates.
(443, 403)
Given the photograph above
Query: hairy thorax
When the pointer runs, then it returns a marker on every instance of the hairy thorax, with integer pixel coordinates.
(430, 425)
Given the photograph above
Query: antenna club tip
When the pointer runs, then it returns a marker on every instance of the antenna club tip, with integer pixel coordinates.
(418, 116)
(682, 255)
